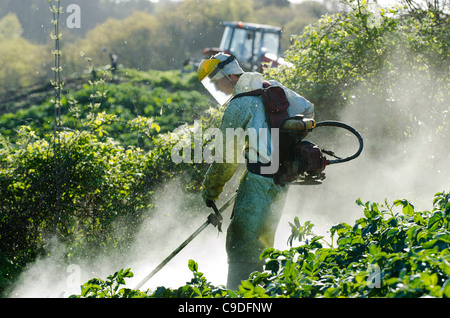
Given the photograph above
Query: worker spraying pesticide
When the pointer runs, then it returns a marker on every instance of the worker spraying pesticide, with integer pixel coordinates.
(278, 119)
(260, 199)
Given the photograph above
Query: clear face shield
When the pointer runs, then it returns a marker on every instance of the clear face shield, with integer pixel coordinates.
(219, 85)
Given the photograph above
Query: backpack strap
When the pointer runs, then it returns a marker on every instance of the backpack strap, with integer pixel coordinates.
(275, 102)
(276, 107)
(256, 92)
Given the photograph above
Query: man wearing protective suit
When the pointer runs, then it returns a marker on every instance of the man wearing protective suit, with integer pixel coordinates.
(260, 201)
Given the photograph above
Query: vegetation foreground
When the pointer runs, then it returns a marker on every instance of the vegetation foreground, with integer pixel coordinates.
(384, 254)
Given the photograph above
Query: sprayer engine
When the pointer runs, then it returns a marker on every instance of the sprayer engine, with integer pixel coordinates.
(310, 159)
(303, 162)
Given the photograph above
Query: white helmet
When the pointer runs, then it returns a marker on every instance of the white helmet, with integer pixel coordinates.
(214, 74)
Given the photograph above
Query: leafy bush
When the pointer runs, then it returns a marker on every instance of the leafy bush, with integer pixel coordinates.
(97, 174)
(386, 253)
(109, 288)
(75, 196)
(372, 58)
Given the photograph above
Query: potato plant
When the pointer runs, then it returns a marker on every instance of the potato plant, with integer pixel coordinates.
(385, 253)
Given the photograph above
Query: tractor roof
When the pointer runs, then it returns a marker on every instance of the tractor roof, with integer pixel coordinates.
(252, 26)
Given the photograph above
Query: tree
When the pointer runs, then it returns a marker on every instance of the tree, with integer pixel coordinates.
(293, 19)
(22, 62)
(137, 41)
(193, 25)
(385, 72)
(363, 52)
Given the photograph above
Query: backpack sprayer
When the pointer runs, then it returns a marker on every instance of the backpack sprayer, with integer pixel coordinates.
(300, 162)
(303, 162)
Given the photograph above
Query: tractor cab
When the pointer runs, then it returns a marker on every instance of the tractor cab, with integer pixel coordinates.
(252, 44)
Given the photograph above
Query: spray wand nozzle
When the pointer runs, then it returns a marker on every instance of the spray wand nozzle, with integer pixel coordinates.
(215, 218)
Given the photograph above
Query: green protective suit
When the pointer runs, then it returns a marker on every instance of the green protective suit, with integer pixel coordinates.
(259, 202)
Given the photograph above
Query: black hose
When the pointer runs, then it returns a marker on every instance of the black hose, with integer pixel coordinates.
(330, 123)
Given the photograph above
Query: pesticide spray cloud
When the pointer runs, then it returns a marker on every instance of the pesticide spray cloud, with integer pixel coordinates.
(414, 169)
(176, 216)
(404, 158)
(405, 152)
(172, 223)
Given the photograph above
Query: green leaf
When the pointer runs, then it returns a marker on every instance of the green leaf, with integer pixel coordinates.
(193, 266)
(435, 221)
(290, 270)
(359, 202)
(260, 278)
(412, 232)
(408, 210)
(444, 237)
(392, 232)
(429, 279)
(429, 244)
(445, 266)
(331, 292)
(196, 290)
(340, 228)
(297, 222)
(246, 285)
(446, 288)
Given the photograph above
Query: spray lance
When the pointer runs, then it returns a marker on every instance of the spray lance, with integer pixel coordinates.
(215, 218)
(301, 162)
